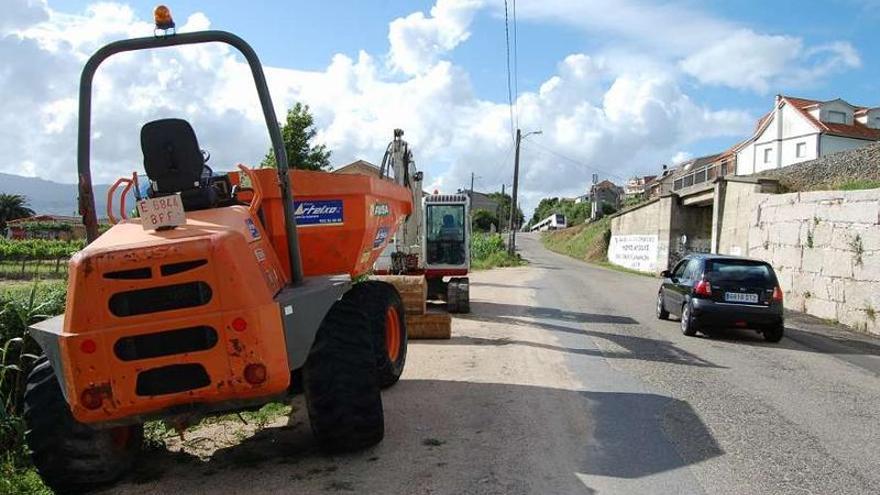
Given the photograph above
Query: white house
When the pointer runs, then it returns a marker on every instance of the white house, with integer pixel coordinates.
(798, 130)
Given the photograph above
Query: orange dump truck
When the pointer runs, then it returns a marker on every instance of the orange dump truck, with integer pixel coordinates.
(227, 292)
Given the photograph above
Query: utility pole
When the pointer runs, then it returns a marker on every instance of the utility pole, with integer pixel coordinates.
(500, 204)
(511, 243)
(472, 186)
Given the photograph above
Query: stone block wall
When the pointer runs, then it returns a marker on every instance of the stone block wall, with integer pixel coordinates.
(825, 247)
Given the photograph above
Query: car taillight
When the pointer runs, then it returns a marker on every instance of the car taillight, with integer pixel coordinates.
(777, 294)
(703, 288)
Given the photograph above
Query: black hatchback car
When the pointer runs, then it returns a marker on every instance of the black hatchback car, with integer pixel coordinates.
(713, 291)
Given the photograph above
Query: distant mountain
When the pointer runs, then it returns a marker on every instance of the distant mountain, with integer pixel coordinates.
(48, 197)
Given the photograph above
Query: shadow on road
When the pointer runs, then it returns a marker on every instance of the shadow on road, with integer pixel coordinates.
(636, 347)
(500, 286)
(481, 308)
(455, 437)
(856, 350)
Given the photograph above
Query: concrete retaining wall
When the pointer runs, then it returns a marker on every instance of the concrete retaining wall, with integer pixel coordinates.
(654, 220)
(825, 247)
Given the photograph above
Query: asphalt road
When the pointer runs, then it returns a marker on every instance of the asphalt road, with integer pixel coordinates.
(728, 414)
(562, 380)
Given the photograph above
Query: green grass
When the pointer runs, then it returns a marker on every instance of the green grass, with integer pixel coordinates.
(32, 269)
(587, 242)
(21, 481)
(21, 304)
(488, 251)
(156, 432)
(857, 184)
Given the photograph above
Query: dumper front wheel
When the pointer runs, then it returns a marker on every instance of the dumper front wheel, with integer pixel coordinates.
(70, 456)
(386, 317)
(340, 382)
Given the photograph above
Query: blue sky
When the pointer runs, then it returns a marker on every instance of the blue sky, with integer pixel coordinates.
(697, 74)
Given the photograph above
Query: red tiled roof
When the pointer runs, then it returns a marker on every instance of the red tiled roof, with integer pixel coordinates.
(605, 184)
(856, 131)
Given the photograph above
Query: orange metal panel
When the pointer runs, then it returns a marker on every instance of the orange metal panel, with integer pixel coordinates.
(373, 209)
(244, 275)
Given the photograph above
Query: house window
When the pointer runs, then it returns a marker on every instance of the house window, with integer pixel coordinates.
(801, 150)
(768, 155)
(836, 117)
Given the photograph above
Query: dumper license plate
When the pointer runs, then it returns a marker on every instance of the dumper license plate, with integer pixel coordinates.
(161, 213)
(740, 297)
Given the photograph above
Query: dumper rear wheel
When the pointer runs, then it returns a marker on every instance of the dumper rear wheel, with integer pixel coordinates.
(70, 456)
(386, 317)
(340, 382)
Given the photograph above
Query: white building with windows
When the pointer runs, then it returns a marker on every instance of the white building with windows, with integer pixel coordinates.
(797, 130)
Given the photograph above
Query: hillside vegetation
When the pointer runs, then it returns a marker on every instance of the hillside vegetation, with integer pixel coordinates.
(575, 213)
(586, 242)
(488, 251)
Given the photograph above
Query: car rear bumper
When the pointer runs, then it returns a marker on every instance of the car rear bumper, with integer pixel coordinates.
(708, 313)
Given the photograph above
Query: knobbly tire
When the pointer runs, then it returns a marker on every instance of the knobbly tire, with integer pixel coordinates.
(383, 307)
(774, 334)
(662, 314)
(70, 456)
(687, 322)
(340, 382)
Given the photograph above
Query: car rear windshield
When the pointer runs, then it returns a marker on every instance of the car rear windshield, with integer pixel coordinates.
(739, 271)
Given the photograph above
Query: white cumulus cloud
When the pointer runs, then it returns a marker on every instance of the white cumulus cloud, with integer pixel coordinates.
(596, 115)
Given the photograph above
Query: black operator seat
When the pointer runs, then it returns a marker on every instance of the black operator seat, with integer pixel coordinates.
(175, 163)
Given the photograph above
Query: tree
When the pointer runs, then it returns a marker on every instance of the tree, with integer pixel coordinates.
(297, 132)
(482, 220)
(504, 201)
(575, 213)
(13, 206)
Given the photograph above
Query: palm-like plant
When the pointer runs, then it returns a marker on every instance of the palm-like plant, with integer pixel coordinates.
(13, 206)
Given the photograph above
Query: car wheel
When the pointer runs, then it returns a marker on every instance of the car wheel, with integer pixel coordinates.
(661, 310)
(774, 334)
(687, 324)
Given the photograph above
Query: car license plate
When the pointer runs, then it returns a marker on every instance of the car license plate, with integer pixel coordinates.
(159, 213)
(740, 297)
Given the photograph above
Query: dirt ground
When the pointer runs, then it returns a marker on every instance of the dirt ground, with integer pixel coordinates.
(469, 416)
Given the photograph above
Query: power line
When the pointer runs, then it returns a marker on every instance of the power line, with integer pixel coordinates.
(515, 70)
(576, 162)
(509, 94)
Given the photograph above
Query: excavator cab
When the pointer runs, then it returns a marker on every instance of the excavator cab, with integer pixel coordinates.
(222, 304)
(446, 233)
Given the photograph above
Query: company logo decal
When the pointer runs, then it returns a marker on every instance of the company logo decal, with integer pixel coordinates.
(381, 210)
(252, 228)
(381, 237)
(324, 212)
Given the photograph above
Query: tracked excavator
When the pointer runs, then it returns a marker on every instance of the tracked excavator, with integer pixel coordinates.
(434, 241)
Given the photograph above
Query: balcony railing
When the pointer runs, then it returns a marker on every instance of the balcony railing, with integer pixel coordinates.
(706, 173)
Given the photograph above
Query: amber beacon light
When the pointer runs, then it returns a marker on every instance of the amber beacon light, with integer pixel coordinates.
(162, 16)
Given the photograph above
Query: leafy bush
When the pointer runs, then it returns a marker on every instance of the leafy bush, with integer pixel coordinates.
(575, 213)
(483, 220)
(588, 242)
(44, 226)
(38, 249)
(489, 251)
(18, 309)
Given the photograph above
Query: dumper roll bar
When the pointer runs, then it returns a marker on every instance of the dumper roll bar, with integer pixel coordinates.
(86, 193)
